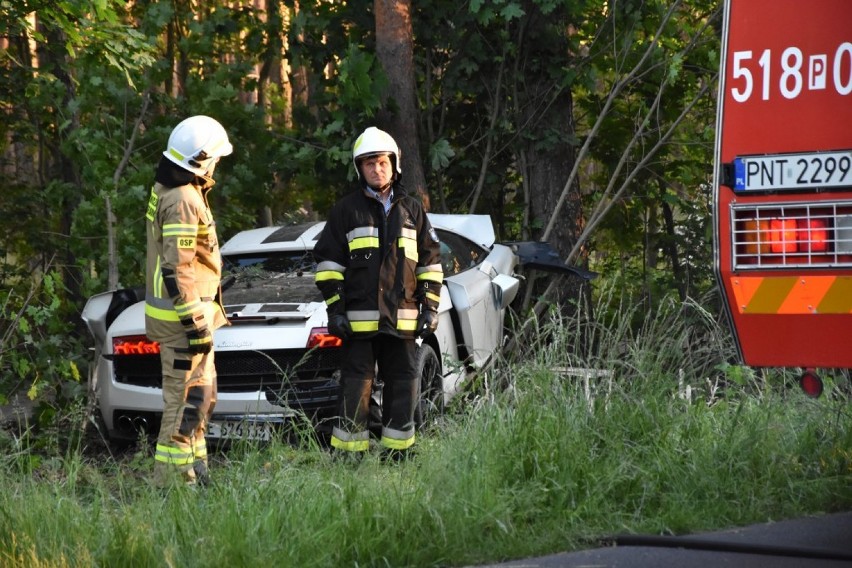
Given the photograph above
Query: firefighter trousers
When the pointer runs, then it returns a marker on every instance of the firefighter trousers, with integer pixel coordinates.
(394, 358)
(189, 395)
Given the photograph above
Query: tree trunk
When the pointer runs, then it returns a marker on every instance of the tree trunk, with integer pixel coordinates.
(670, 245)
(298, 73)
(395, 50)
(176, 32)
(61, 166)
(547, 113)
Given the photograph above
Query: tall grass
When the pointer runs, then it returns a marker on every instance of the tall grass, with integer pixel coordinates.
(535, 461)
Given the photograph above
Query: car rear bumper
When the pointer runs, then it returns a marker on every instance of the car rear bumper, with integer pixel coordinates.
(129, 411)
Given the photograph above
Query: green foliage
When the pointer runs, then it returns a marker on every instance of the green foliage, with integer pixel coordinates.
(85, 128)
(440, 154)
(361, 82)
(120, 59)
(635, 239)
(41, 357)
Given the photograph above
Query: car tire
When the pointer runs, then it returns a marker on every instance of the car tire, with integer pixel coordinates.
(430, 400)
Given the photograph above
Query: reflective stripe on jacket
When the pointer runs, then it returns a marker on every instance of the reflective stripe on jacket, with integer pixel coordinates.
(379, 269)
(183, 266)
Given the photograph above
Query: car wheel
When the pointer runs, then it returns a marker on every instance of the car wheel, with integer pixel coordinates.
(430, 403)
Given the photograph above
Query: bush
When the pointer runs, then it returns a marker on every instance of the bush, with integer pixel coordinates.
(40, 350)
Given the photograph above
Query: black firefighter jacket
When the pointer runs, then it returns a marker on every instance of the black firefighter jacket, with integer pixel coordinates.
(379, 269)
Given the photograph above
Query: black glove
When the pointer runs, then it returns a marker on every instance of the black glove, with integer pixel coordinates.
(200, 341)
(427, 323)
(338, 325)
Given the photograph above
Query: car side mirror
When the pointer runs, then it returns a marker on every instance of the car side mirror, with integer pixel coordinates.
(95, 315)
(505, 289)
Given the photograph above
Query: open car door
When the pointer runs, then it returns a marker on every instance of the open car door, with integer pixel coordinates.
(480, 279)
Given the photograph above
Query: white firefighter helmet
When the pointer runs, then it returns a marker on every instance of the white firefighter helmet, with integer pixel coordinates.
(196, 143)
(374, 142)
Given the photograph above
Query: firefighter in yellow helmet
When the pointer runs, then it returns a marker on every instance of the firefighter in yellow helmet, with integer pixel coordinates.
(380, 273)
(182, 306)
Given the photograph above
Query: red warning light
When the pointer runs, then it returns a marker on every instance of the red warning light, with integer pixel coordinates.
(811, 384)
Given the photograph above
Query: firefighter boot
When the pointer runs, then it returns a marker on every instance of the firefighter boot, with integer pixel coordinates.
(351, 433)
(399, 398)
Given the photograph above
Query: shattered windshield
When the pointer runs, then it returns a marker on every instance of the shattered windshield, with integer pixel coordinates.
(285, 277)
(275, 262)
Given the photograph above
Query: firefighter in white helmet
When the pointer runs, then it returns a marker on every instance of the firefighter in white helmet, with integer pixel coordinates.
(182, 304)
(380, 273)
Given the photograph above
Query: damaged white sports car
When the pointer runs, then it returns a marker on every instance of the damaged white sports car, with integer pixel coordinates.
(277, 361)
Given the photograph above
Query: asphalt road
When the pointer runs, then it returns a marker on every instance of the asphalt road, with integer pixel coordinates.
(811, 542)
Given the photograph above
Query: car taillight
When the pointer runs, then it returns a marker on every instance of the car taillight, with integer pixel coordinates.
(320, 337)
(134, 345)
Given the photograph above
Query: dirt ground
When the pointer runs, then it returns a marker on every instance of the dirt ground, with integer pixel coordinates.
(18, 422)
(17, 411)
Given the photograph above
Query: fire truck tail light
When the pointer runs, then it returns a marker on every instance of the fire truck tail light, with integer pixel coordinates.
(756, 236)
(843, 230)
(792, 235)
(813, 235)
(811, 384)
(782, 235)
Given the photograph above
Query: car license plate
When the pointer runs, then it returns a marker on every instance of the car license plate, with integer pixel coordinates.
(241, 429)
(810, 170)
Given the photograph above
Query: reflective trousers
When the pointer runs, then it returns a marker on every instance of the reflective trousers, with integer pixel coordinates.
(394, 358)
(189, 395)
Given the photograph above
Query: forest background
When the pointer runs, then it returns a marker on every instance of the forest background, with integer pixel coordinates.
(587, 124)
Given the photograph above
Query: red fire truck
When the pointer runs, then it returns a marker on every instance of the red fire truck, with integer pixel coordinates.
(783, 193)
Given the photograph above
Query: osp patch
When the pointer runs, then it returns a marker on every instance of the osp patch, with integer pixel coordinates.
(186, 242)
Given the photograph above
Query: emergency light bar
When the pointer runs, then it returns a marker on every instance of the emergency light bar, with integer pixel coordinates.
(792, 235)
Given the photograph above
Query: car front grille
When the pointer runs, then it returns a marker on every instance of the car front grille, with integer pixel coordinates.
(303, 379)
